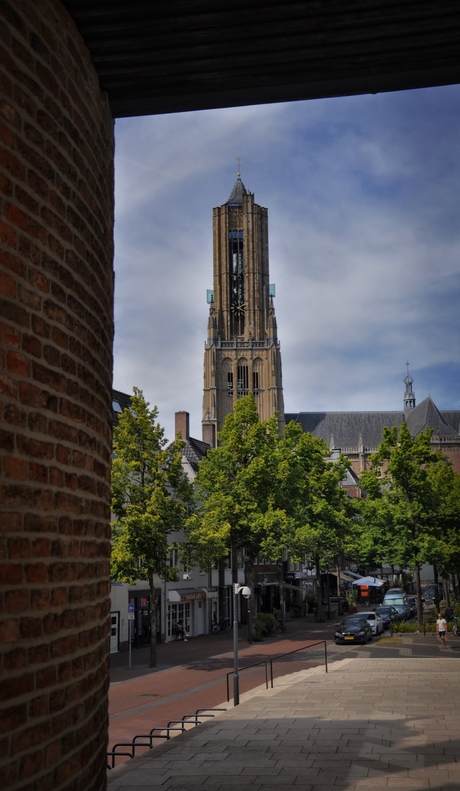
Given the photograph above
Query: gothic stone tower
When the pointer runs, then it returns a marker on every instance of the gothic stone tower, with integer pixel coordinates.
(242, 351)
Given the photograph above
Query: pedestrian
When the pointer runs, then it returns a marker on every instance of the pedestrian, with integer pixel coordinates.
(180, 631)
(441, 629)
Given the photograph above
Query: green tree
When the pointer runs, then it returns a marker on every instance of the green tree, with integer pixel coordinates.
(325, 514)
(401, 510)
(232, 490)
(151, 498)
(253, 489)
(444, 551)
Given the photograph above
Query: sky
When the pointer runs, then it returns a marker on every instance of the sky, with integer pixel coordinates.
(364, 246)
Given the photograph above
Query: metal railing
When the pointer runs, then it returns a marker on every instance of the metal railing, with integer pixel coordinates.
(157, 732)
(269, 663)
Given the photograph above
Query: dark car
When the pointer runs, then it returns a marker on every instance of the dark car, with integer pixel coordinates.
(353, 630)
(388, 615)
(413, 605)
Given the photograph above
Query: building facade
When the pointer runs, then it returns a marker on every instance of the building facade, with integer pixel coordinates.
(242, 352)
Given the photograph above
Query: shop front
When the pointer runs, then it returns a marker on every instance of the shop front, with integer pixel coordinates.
(188, 606)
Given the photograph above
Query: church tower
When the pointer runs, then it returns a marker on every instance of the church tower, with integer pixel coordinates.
(242, 352)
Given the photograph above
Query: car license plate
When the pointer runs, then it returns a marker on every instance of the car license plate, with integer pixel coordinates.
(349, 638)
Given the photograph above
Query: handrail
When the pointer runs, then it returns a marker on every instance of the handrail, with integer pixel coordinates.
(302, 648)
(273, 659)
(164, 733)
(248, 667)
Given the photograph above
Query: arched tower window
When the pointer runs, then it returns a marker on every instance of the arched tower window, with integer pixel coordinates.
(257, 376)
(227, 376)
(243, 378)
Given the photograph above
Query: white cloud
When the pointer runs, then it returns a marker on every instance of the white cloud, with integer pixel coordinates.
(364, 246)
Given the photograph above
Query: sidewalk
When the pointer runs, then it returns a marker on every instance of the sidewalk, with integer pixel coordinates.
(363, 726)
(202, 647)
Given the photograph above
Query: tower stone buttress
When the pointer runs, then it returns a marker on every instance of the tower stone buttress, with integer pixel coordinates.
(242, 352)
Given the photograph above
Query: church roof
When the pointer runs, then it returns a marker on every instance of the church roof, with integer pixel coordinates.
(236, 197)
(347, 430)
(427, 414)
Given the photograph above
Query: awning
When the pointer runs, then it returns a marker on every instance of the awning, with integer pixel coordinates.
(286, 585)
(187, 594)
(344, 575)
(298, 588)
(369, 582)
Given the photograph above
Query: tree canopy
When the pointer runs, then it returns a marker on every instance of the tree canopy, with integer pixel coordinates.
(151, 497)
(266, 494)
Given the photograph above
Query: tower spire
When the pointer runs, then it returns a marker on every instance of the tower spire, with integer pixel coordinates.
(409, 395)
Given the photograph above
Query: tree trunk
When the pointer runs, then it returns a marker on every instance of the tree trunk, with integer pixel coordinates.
(251, 602)
(418, 593)
(339, 596)
(279, 568)
(446, 591)
(221, 591)
(319, 605)
(153, 623)
(436, 583)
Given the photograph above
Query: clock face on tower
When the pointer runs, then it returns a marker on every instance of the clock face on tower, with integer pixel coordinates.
(238, 309)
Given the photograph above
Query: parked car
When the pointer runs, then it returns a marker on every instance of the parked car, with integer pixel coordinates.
(413, 605)
(353, 630)
(399, 591)
(388, 615)
(430, 592)
(400, 602)
(374, 620)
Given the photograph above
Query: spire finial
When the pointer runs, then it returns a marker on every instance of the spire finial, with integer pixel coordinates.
(238, 159)
(409, 397)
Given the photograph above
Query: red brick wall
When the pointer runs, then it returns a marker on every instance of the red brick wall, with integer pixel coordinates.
(56, 290)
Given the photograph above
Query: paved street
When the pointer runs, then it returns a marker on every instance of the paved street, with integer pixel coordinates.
(141, 698)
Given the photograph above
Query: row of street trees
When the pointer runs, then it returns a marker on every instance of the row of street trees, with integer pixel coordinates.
(410, 514)
(275, 496)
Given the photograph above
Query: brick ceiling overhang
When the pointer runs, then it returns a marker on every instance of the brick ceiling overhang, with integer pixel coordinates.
(163, 56)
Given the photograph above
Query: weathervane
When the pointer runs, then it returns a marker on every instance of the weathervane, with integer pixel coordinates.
(238, 159)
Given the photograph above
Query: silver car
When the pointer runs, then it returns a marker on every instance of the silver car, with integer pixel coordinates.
(374, 620)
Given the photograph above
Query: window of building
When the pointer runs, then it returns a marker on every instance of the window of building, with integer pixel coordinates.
(242, 380)
(173, 558)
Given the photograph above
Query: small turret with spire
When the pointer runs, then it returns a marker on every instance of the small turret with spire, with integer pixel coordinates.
(409, 395)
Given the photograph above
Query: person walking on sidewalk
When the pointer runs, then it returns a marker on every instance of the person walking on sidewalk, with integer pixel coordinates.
(441, 629)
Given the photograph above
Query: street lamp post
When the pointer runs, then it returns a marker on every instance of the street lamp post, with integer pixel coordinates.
(236, 679)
